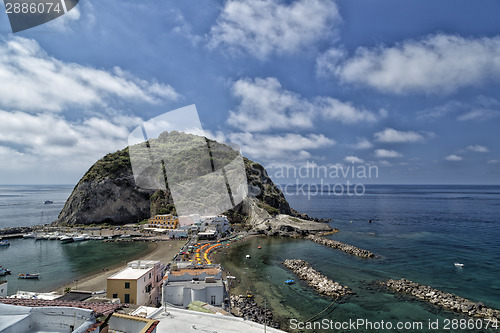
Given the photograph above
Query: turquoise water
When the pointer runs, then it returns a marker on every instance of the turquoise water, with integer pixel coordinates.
(59, 263)
(419, 232)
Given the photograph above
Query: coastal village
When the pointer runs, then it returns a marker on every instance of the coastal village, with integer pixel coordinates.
(187, 289)
(178, 287)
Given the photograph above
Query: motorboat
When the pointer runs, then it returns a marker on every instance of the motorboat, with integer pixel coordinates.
(4, 243)
(4, 271)
(29, 275)
(66, 239)
(79, 238)
(29, 235)
(247, 256)
(457, 264)
(48, 202)
(290, 281)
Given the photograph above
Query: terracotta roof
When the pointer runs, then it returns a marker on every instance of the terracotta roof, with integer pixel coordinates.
(101, 309)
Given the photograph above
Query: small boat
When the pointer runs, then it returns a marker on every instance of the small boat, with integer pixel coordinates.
(458, 264)
(124, 236)
(48, 202)
(290, 281)
(247, 256)
(30, 235)
(4, 243)
(29, 276)
(79, 238)
(66, 239)
(260, 247)
(4, 271)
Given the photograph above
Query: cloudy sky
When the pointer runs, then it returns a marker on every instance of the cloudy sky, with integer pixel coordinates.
(411, 87)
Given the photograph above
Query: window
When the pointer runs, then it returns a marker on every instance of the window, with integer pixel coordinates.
(115, 295)
(150, 275)
(127, 285)
(212, 300)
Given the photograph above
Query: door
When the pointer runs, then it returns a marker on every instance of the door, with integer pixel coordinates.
(127, 298)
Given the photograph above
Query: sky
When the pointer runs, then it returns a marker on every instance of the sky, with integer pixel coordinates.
(410, 88)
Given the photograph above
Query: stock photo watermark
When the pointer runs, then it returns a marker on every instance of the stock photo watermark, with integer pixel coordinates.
(311, 179)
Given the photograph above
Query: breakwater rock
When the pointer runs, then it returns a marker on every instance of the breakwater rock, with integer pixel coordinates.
(315, 279)
(442, 299)
(243, 306)
(341, 246)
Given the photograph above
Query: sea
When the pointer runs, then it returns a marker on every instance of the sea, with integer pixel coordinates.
(58, 264)
(418, 232)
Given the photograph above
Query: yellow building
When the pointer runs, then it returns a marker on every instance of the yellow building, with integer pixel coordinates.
(164, 221)
(139, 283)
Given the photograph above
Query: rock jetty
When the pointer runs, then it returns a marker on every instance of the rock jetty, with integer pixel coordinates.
(442, 299)
(244, 306)
(341, 246)
(315, 279)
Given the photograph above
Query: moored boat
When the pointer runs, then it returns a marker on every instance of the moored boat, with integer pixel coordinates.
(66, 239)
(29, 275)
(289, 281)
(4, 243)
(4, 271)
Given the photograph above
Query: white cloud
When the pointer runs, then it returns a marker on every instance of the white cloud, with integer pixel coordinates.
(344, 112)
(31, 80)
(266, 105)
(494, 161)
(362, 144)
(477, 149)
(276, 147)
(438, 63)
(390, 135)
(353, 159)
(265, 27)
(384, 153)
(454, 158)
(49, 143)
(479, 115)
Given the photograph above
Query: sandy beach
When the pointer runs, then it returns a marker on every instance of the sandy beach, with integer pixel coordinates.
(163, 251)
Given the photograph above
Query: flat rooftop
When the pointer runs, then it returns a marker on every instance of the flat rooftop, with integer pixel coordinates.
(182, 321)
(130, 273)
(196, 284)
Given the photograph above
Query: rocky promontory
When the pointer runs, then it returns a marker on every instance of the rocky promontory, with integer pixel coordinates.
(108, 193)
(315, 279)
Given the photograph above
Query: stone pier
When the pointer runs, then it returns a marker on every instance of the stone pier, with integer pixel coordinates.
(341, 246)
(315, 279)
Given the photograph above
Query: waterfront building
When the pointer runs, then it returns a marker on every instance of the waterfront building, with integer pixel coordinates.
(181, 286)
(164, 221)
(139, 283)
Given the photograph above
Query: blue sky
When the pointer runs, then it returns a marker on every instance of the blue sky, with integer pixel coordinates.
(411, 87)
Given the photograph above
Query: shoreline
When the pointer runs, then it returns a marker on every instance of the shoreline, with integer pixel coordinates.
(96, 281)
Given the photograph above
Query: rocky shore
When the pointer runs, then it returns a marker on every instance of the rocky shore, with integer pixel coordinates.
(244, 306)
(341, 246)
(315, 279)
(442, 299)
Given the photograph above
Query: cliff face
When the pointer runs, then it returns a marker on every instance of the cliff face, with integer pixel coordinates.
(107, 193)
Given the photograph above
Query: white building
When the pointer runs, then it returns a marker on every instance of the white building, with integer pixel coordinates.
(15, 319)
(139, 283)
(185, 285)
